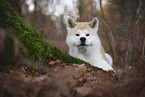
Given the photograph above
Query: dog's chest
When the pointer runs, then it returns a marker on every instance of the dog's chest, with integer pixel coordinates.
(84, 54)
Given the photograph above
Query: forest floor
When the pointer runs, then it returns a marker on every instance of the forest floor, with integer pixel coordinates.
(62, 80)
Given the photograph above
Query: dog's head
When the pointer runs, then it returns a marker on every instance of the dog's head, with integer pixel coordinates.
(82, 34)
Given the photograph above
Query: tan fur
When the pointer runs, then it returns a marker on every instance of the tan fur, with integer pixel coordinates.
(103, 53)
(82, 26)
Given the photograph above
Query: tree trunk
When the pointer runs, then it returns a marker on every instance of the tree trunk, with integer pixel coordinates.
(36, 45)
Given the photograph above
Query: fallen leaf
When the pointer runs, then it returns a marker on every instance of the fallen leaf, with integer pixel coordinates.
(84, 91)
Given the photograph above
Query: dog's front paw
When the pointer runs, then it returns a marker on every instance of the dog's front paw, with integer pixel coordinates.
(104, 65)
(108, 68)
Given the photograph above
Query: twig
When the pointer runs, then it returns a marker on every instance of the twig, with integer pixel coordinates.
(101, 8)
(112, 47)
(143, 49)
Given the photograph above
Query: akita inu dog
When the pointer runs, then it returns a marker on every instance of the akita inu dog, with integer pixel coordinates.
(85, 44)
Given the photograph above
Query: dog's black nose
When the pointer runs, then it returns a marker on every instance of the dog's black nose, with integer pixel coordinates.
(82, 39)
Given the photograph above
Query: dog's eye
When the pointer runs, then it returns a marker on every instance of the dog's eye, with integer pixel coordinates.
(77, 34)
(87, 34)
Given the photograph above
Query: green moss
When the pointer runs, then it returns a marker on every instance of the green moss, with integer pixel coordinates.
(26, 34)
(32, 40)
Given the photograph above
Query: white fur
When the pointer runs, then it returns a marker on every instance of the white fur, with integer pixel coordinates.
(91, 53)
(109, 59)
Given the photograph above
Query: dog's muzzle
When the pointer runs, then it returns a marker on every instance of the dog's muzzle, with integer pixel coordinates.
(83, 42)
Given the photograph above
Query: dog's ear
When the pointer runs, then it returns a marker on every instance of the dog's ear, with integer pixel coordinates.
(94, 23)
(71, 23)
